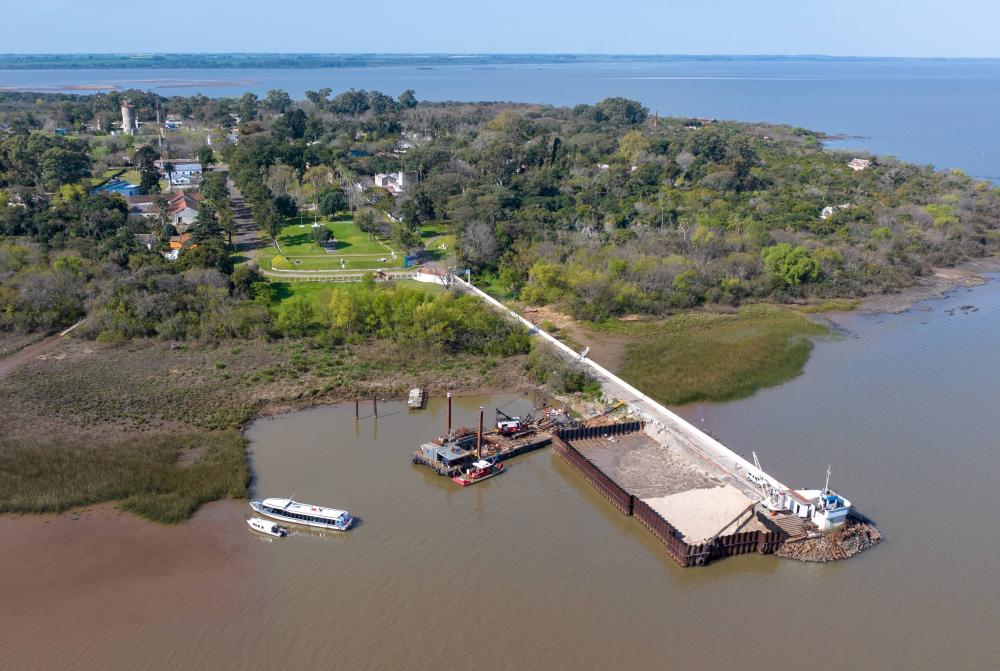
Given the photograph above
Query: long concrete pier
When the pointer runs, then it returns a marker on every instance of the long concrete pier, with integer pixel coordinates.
(663, 425)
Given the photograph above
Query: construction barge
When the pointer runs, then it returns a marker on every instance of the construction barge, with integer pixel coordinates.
(699, 512)
(700, 515)
(459, 447)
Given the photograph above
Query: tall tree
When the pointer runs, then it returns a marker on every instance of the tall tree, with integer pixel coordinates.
(206, 156)
(278, 101)
(247, 107)
(144, 161)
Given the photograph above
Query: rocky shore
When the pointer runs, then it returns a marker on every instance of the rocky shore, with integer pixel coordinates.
(856, 536)
(940, 283)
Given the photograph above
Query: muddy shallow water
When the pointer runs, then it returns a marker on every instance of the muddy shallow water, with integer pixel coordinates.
(532, 569)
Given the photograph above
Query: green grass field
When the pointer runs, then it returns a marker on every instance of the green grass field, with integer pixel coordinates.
(299, 252)
(318, 293)
(333, 262)
(295, 238)
(354, 248)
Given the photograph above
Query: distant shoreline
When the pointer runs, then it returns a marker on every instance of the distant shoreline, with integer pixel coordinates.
(293, 61)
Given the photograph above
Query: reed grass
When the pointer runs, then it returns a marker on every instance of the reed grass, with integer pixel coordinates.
(146, 475)
(717, 357)
(158, 429)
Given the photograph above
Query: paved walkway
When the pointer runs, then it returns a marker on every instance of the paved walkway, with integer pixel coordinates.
(248, 238)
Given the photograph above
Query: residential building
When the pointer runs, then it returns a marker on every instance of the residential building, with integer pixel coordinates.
(184, 171)
(858, 164)
(143, 206)
(182, 208)
(396, 183)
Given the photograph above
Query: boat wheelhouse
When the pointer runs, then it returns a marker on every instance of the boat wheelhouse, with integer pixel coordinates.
(480, 470)
(306, 514)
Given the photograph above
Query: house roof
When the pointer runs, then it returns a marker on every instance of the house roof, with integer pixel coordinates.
(178, 241)
(182, 201)
(140, 200)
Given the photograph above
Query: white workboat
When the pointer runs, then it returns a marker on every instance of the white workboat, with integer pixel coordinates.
(287, 510)
(267, 527)
(416, 399)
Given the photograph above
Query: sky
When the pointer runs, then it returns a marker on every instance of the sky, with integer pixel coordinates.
(957, 28)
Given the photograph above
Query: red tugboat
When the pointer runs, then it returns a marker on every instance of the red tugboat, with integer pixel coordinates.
(480, 470)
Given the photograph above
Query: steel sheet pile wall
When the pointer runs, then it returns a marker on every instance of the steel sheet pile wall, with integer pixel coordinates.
(607, 487)
(663, 530)
(583, 432)
(764, 542)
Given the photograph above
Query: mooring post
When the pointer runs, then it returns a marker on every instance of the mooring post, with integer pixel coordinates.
(356, 411)
(375, 405)
(479, 436)
(447, 432)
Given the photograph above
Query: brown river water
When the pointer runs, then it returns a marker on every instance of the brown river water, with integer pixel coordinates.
(534, 570)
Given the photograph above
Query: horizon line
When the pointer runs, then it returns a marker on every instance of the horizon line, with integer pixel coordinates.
(462, 54)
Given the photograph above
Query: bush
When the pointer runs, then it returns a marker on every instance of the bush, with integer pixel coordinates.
(296, 317)
(448, 322)
(792, 265)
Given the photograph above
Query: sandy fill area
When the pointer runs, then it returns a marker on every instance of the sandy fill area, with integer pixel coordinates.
(700, 513)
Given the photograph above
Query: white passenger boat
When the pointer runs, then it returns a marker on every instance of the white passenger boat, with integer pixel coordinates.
(306, 514)
(267, 527)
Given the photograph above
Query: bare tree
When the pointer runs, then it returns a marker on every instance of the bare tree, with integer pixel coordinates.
(479, 243)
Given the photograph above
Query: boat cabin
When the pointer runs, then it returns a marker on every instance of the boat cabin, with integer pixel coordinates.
(449, 454)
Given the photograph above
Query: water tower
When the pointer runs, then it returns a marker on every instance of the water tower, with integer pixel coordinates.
(129, 125)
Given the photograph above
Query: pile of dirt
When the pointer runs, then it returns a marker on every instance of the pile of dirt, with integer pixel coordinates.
(855, 537)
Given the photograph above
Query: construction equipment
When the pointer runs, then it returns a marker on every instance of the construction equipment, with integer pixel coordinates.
(511, 426)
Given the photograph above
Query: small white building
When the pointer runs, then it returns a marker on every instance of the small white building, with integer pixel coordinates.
(395, 182)
(183, 172)
(831, 210)
(858, 164)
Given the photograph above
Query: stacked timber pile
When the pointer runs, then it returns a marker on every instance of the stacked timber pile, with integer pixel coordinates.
(856, 536)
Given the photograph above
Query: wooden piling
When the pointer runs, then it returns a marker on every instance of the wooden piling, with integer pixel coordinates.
(479, 436)
(375, 405)
(356, 409)
(448, 428)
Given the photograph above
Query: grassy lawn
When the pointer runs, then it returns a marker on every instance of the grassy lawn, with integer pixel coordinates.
(318, 293)
(438, 239)
(716, 357)
(295, 238)
(300, 252)
(332, 262)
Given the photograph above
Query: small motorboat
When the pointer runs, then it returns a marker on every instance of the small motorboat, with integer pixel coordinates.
(266, 527)
(479, 471)
(416, 399)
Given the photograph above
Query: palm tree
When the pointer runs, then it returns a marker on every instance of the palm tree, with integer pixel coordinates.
(168, 168)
